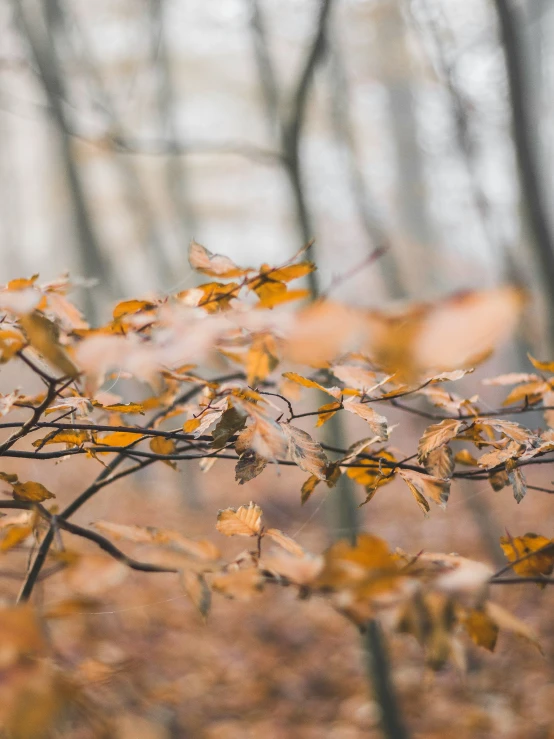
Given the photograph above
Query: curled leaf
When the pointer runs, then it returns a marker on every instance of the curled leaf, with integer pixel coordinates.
(243, 521)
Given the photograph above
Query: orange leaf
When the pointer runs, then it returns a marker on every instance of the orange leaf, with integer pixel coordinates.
(243, 521)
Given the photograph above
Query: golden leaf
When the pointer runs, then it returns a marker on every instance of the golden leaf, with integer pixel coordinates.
(305, 452)
(122, 407)
(465, 457)
(291, 272)
(372, 473)
(14, 535)
(326, 412)
(120, 438)
(71, 438)
(162, 445)
(506, 620)
(541, 563)
(481, 628)
(243, 521)
(43, 336)
(261, 359)
(129, 307)
(346, 565)
(31, 491)
(212, 296)
(541, 366)
(335, 392)
(426, 485)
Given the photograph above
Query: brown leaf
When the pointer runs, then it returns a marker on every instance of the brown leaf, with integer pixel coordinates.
(423, 486)
(512, 450)
(243, 521)
(440, 462)
(230, 422)
(506, 620)
(249, 466)
(498, 480)
(517, 481)
(305, 452)
(437, 435)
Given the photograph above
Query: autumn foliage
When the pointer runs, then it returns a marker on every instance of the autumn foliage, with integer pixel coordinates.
(221, 370)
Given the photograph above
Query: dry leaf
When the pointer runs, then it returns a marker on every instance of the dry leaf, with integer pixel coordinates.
(43, 335)
(423, 486)
(285, 541)
(377, 423)
(243, 521)
(197, 589)
(517, 547)
(437, 435)
(305, 452)
(240, 584)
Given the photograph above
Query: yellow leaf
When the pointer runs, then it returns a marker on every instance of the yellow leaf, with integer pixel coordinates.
(43, 336)
(305, 452)
(214, 265)
(122, 407)
(464, 457)
(327, 411)
(350, 566)
(71, 438)
(541, 366)
(372, 474)
(31, 491)
(506, 620)
(162, 445)
(518, 547)
(14, 535)
(212, 296)
(481, 628)
(292, 272)
(335, 392)
(261, 359)
(120, 438)
(191, 425)
(243, 521)
(128, 307)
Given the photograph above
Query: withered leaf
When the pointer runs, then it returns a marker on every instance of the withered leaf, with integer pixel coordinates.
(335, 392)
(33, 491)
(440, 462)
(498, 480)
(437, 435)
(249, 466)
(517, 481)
(214, 265)
(240, 584)
(305, 452)
(243, 521)
(423, 486)
(230, 422)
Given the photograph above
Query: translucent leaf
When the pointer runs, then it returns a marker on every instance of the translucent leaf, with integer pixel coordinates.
(243, 521)
(285, 541)
(426, 486)
(437, 435)
(377, 423)
(214, 265)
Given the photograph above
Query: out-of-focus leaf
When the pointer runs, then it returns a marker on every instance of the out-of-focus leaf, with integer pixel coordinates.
(326, 412)
(230, 422)
(335, 392)
(214, 265)
(261, 359)
(129, 307)
(498, 480)
(243, 521)
(506, 620)
(44, 336)
(481, 628)
(32, 491)
(285, 541)
(198, 591)
(240, 584)
(465, 457)
(517, 547)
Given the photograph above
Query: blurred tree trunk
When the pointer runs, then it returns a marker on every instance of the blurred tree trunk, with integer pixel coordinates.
(416, 248)
(522, 91)
(42, 47)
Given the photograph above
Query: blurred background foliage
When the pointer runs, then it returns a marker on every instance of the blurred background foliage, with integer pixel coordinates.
(129, 127)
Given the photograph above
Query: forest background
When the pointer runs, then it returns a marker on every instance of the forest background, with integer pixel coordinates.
(422, 130)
